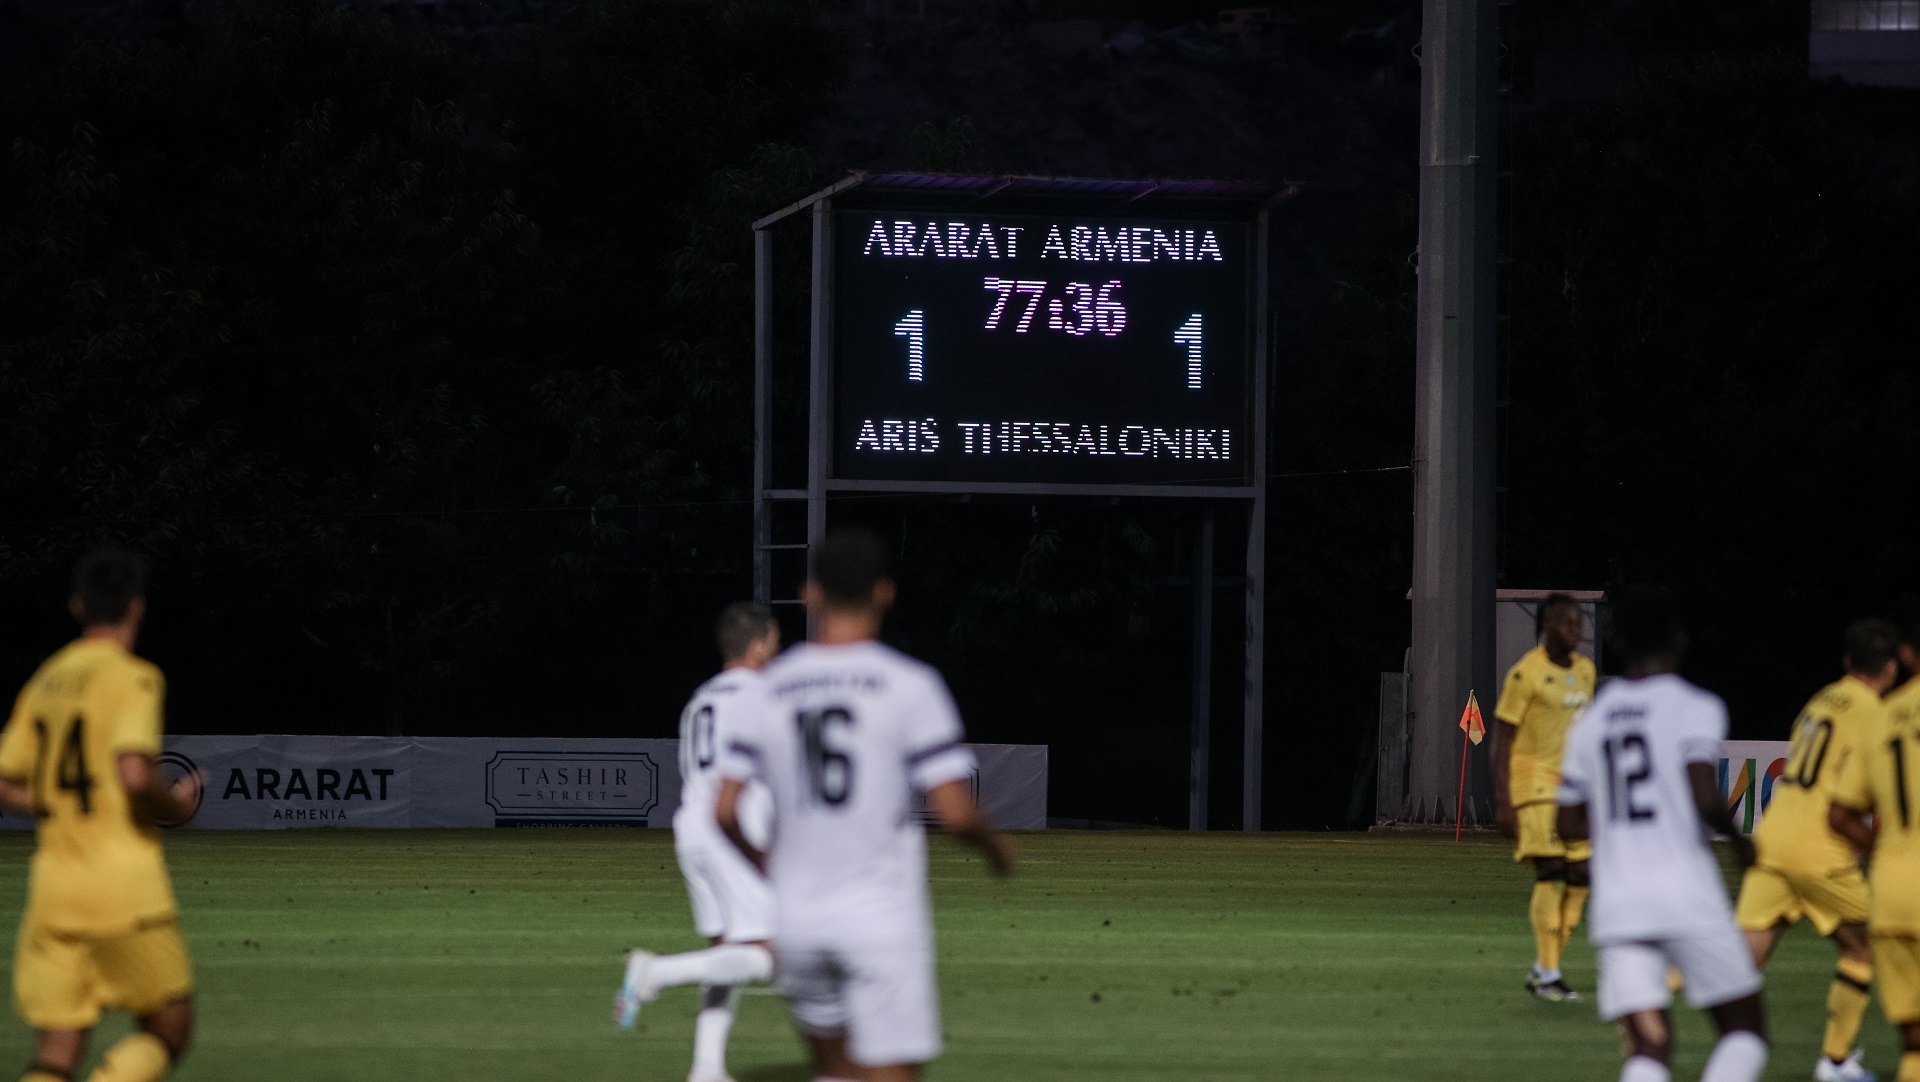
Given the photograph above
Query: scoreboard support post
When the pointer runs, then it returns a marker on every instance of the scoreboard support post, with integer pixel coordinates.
(1253, 736)
(762, 414)
(1200, 739)
(819, 379)
(1037, 337)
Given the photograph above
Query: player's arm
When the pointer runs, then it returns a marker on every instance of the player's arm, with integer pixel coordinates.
(136, 727)
(1711, 803)
(1851, 825)
(152, 799)
(1504, 817)
(726, 812)
(741, 761)
(953, 805)
(16, 764)
(939, 764)
(1852, 801)
(16, 795)
(1508, 713)
(1570, 821)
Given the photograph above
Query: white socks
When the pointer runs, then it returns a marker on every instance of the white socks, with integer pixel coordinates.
(1545, 975)
(1642, 1069)
(710, 1028)
(728, 963)
(1739, 1057)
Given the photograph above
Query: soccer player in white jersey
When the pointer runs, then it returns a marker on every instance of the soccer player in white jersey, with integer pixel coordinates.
(1639, 780)
(852, 731)
(732, 903)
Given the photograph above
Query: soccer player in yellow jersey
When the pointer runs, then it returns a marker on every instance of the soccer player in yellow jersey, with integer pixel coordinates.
(1544, 690)
(1804, 868)
(100, 929)
(1881, 778)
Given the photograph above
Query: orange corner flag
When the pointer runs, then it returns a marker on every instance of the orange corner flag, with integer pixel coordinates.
(1471, 722)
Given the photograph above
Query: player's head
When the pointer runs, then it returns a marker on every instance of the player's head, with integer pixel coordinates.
(1910, 639)
(1647, 626)
(109, 589)
(747, 634)
(1871, 653)
(1559, 622)
(847, 573)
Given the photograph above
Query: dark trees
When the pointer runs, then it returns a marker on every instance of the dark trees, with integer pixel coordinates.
(278, 317)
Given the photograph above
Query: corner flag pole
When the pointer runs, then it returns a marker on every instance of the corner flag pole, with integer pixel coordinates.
(1473, 729)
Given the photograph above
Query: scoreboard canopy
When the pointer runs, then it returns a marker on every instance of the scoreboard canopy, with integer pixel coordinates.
(1052, 347)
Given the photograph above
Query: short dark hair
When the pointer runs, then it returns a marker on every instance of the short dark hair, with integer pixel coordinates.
(1912, 625)
(105, 582)
(1870, 644)
(849, 562)
(1552, 602)
(1646, 623)
(740, 625)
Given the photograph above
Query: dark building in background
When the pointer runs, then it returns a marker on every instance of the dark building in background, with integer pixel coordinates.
(1868, 42)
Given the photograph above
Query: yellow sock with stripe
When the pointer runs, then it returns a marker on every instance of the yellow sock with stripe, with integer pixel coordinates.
(1571, 906)
(137, 1057)
(1909, 1067)
(41, 1074)
(1545, 912)
(1846, 1005)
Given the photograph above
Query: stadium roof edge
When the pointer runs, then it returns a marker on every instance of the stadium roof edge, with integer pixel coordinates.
(974, 187)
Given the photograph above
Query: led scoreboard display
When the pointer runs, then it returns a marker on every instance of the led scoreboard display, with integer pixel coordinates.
(1047, 349)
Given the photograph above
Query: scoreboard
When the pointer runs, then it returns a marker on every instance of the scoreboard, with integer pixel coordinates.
(1062, 349)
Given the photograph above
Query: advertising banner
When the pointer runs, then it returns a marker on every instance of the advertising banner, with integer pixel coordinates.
(1748, 769)
(282, 782)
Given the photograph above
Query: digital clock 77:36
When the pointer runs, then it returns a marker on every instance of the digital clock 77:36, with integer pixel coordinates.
(1079, 309)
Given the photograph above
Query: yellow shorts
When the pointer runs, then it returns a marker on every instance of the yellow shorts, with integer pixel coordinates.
(1769, 896)
(1896, 966)
(63, 981)
(1538, 837)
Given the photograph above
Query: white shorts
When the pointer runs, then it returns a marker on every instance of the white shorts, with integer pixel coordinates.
(1717, 967)
(731, 899)
(881, 996)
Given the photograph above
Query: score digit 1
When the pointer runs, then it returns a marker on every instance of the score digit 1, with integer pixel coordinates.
(1189, 335)
(914, 329)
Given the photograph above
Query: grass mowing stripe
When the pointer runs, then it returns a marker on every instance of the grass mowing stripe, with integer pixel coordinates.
(359, 956)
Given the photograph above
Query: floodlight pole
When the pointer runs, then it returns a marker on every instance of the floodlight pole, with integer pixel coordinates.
(1453, 497)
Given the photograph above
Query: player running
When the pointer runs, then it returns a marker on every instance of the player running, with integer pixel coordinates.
(1544, 690)
(732, 904)
(101, 928)
(1640, 780)
(1880, 779)
(853, 731)
(1805, 869)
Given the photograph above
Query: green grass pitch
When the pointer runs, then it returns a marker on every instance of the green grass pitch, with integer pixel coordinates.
(339, 956)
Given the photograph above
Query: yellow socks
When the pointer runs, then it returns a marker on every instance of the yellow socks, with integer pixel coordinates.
(1909, 1067)
(41, 1074)
(1846, 1003)
(1545, 912)
(137, 1057)
(1571, 906)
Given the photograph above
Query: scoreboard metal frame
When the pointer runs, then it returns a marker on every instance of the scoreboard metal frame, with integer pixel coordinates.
(975, 197)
